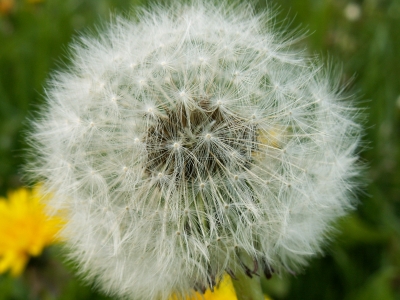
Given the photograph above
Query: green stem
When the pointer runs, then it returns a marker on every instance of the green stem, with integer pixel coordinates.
(247, 288)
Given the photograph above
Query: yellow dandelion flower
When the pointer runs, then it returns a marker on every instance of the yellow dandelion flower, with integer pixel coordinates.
(6, 6)
(25, 229)
(223, 291)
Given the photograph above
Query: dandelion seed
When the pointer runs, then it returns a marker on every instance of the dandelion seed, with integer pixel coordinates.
(236, 164)
(352, 11)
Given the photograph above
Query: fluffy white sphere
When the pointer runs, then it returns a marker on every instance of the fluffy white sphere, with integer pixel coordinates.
(184, 141)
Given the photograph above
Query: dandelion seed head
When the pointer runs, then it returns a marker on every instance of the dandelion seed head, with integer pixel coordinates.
(202, 137)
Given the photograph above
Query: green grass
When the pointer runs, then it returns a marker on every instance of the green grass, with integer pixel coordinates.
(363, 261)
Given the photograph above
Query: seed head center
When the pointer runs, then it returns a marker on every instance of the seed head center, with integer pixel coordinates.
(193, 144)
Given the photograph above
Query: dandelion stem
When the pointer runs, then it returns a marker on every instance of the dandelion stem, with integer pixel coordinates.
(246, 287)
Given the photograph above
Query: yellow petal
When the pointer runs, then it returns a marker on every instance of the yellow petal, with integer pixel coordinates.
(25, 229)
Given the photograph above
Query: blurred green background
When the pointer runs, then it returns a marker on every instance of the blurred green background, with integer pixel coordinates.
(363, 37)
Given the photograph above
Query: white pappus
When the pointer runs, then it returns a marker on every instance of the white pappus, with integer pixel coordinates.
(179, 143)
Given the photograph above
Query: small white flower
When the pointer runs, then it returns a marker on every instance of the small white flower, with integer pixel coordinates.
(181, 143)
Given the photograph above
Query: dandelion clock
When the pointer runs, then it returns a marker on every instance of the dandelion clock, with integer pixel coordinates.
(193, 143)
